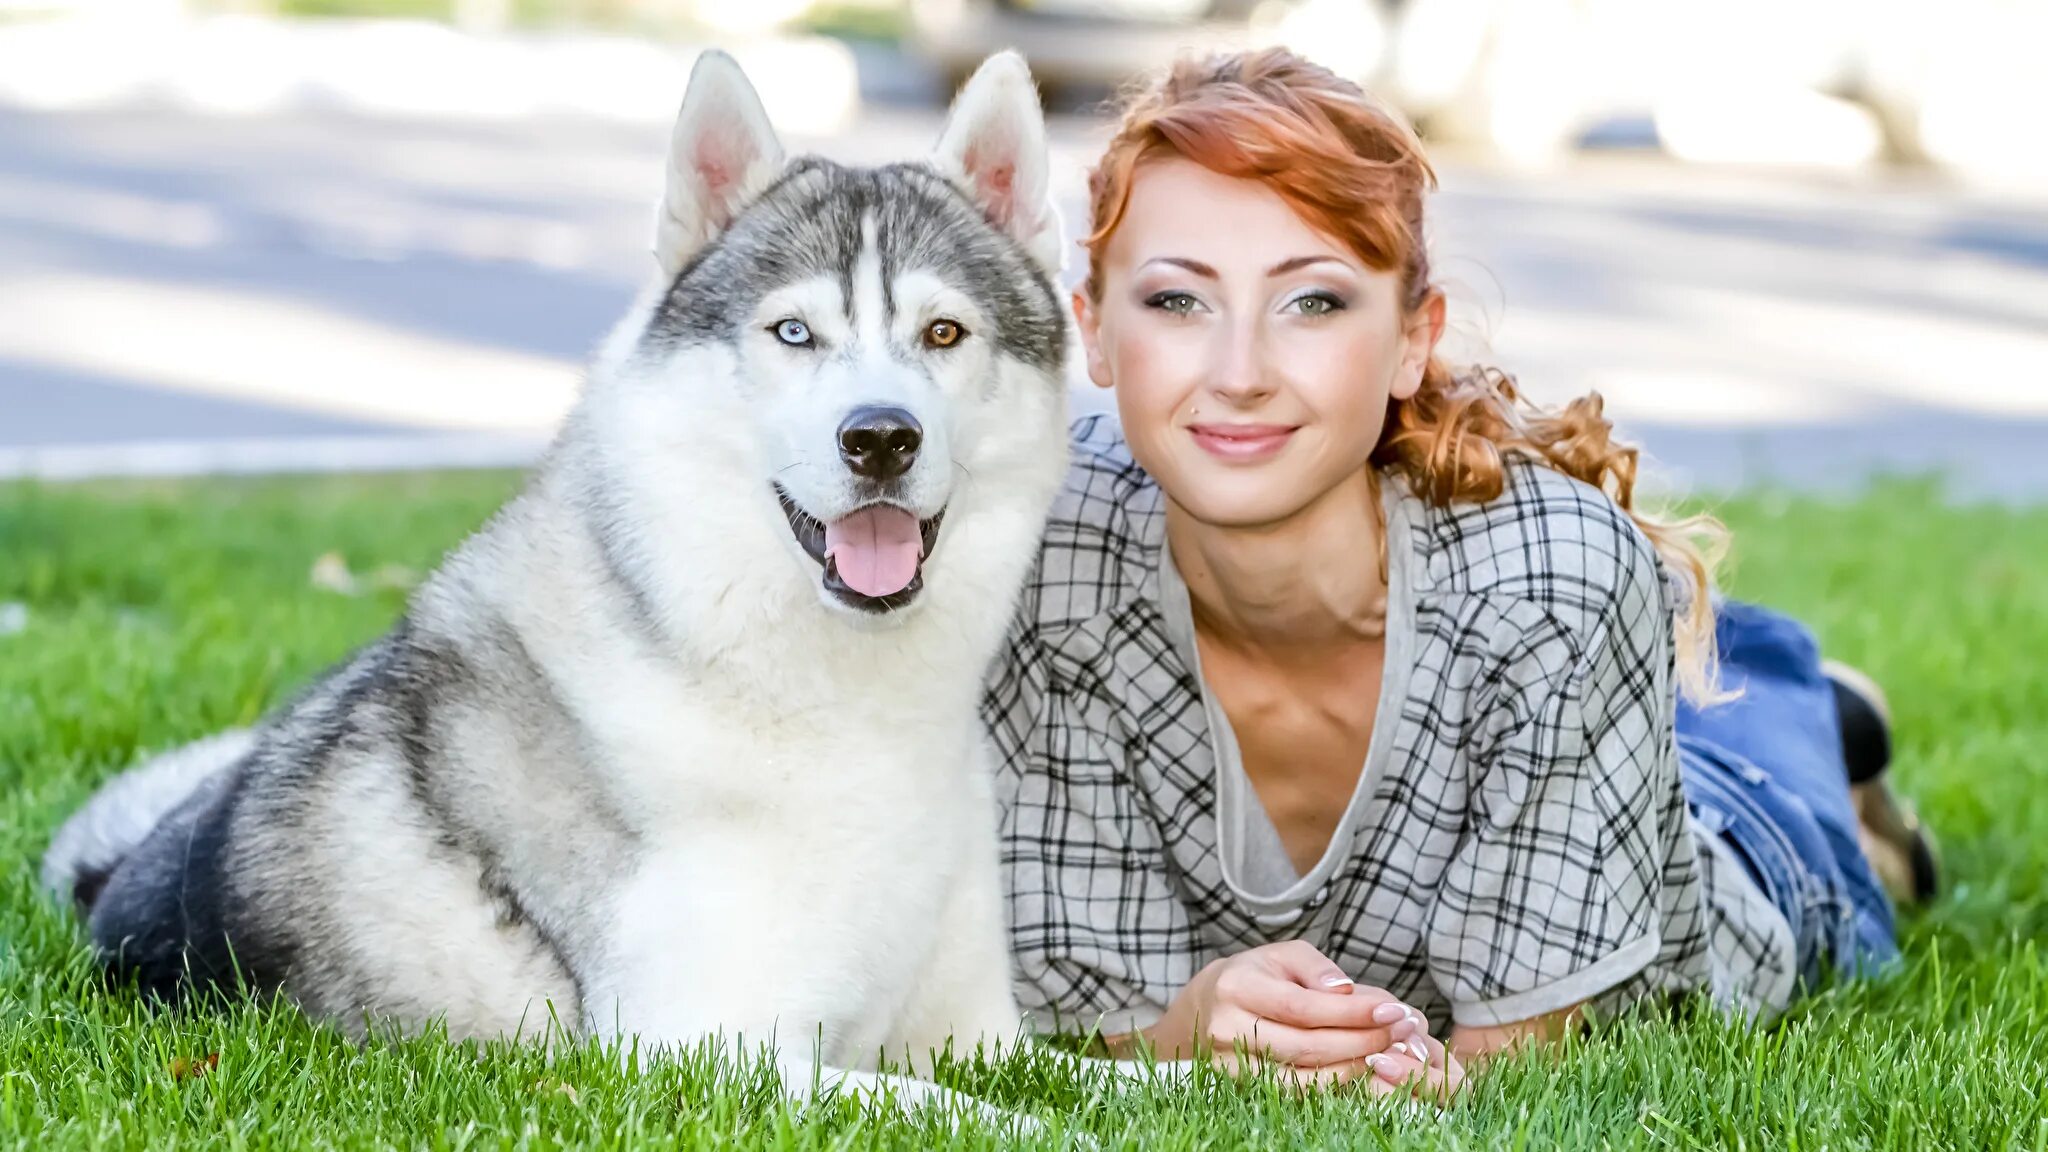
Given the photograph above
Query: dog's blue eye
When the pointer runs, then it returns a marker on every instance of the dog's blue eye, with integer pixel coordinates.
(794, 333)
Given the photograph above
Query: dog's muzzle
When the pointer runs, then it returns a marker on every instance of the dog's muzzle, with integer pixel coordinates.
(873, 558)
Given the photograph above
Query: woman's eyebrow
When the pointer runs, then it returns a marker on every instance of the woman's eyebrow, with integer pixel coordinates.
(1298, 262)
(1291, 264)
(1195, 266)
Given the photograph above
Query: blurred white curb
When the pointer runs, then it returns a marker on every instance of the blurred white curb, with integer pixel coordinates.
(248, 65)
(370, 453)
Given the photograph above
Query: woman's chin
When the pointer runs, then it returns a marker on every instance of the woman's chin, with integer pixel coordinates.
(1240, 503)
(1249, 498)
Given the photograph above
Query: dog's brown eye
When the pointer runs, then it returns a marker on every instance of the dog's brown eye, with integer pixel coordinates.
(943, 334)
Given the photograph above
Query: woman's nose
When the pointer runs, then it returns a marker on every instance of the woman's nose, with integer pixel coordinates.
(1238, 372)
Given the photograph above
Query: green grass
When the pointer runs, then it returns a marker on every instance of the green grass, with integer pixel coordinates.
(160, 612)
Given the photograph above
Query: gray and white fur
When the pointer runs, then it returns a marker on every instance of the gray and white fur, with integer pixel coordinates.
(634, 757)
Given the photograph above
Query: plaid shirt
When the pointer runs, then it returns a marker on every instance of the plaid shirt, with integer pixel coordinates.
(1520, 842)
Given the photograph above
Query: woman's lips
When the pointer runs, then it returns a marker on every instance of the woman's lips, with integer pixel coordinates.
(1239, 443)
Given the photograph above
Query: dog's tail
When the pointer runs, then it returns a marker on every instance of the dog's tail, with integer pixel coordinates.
(122, 813)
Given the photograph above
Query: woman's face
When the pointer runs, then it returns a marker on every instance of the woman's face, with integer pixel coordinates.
(1252, 357)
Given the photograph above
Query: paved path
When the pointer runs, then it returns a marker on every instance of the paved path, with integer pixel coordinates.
(185, 291)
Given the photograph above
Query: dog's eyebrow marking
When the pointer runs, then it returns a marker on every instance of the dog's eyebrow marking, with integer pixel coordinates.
(869, 307)
(886, 228)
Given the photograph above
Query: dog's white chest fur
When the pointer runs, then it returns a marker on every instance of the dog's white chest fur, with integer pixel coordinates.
(795, 883)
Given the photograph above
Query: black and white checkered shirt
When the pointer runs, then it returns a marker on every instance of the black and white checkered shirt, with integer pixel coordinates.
(1519, 842)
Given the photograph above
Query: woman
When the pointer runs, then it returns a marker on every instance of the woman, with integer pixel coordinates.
(1348, 683)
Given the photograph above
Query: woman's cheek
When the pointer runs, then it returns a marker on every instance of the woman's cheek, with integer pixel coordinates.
(1346, 385)
(1151, 375)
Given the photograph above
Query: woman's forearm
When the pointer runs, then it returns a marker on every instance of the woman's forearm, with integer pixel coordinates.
(1474, 1045)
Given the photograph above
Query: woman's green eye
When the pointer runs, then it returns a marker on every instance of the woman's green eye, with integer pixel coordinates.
(1178, 303)
(1317, 304)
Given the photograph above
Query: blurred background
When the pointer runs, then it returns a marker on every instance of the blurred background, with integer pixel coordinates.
(1795, 242)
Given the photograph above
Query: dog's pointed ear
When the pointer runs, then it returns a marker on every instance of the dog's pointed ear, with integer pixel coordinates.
(994, 147)
(722, 155)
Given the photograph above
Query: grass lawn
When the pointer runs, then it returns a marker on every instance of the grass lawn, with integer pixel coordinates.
(160, 612)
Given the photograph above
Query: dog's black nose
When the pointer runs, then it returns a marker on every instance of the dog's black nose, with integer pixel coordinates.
(880, 443)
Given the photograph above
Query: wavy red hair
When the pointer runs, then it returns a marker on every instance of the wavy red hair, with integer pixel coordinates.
(1356, 172)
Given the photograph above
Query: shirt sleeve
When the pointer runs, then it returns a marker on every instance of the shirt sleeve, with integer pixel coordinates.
(1011, 697)
(1556, 895)
(1061, 881)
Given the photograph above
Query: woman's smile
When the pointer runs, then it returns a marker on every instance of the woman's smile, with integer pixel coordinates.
(1245, 443)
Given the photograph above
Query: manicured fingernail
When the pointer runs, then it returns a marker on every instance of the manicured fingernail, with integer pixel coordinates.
(1388, 1013)
(1400, 1046)
(1336, 980)
(1375, 1060)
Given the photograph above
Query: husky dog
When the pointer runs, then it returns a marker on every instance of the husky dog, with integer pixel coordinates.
(685, 742)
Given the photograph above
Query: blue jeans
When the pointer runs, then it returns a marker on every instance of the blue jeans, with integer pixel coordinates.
(1765, 771)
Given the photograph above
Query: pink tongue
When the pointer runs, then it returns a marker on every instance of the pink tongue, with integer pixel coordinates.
(875, 549)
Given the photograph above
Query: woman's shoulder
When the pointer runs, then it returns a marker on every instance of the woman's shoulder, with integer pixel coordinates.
(1548, 539)
(1104, 483)
(1103, 533)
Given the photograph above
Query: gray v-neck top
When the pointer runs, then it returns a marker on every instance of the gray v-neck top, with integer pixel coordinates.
(1254, 858)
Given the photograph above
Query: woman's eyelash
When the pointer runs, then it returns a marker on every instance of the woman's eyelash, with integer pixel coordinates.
(1327, 302)
(1181, 303)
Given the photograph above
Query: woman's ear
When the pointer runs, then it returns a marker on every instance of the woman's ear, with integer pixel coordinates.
(1419, 340)
(1090, 324)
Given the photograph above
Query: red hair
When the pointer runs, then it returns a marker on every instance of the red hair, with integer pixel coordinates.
(1356, 172)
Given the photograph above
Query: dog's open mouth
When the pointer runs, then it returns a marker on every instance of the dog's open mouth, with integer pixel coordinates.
(873, 558)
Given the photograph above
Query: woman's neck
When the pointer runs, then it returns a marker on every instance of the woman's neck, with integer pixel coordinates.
(1292, 590)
